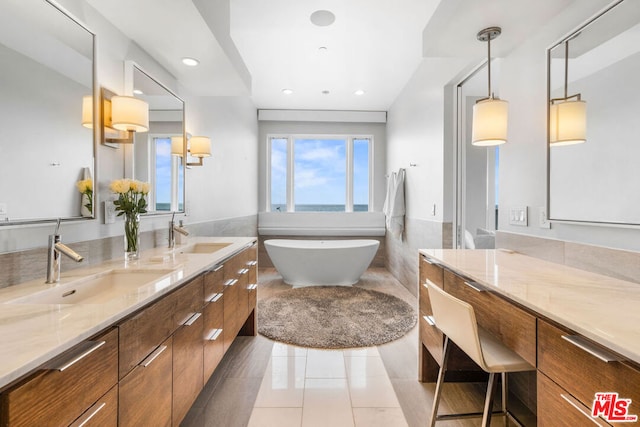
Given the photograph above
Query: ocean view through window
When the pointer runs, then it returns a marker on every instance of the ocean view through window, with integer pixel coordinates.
(328, 173)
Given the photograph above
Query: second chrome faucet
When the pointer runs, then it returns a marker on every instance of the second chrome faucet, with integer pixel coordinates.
(173, 228)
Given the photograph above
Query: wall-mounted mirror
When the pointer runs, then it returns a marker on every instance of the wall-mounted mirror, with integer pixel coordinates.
(150, 158)
(598, 181)
(46, 58)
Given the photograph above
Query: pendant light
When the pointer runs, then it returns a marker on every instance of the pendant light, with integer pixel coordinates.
(567, 115)
(490, 114)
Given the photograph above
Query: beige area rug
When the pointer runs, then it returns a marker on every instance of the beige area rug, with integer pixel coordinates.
(334, 317)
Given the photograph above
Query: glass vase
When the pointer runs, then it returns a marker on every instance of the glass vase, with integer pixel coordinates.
(131, 237)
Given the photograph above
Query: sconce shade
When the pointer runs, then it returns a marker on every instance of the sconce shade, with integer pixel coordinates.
(129, 114)
(490, 117)
(87, 111)
(177, 146)
(567, 123)
(200, 146)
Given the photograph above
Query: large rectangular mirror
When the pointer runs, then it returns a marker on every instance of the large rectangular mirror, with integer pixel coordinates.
(597, 181)
(47, 63)
(151, 159)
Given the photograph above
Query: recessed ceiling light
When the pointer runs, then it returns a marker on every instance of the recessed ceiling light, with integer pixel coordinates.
(287, 91)
(137, 92)
(359, 92)
(322, 18)
(191, 62)
(323, 49)
(325, 92)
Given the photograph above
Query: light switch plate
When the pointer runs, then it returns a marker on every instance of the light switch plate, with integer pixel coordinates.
(109, 212)
(518, 216)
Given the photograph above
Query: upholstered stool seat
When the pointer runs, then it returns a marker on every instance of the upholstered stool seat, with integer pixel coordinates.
(457, 321)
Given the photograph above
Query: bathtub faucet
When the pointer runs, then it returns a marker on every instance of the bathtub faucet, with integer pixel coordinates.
(173, 228)
(56, 247)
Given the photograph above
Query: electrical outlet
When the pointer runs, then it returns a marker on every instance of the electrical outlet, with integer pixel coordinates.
(543, 221)
(109, 212)
(518, 216)
(433, 210)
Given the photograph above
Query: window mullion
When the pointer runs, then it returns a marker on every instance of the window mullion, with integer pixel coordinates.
(349, 202)
(290, 175)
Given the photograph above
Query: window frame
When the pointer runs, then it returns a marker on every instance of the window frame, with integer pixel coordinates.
(349, 181)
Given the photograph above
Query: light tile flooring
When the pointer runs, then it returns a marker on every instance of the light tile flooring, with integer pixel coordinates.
(263, 383)
(311, 387)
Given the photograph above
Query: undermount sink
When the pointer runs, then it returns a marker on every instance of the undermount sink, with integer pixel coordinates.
(98, 288)
(203, 248)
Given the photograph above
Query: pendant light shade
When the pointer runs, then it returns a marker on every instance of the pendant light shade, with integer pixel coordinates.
(491, 114)
(490, 117)
(177, 146)
(129, 114)
(568, 123)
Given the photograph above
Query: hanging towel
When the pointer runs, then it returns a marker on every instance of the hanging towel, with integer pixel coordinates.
(394, 206)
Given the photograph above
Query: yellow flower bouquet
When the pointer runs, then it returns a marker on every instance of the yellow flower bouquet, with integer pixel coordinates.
(85, 186)
(131, 203)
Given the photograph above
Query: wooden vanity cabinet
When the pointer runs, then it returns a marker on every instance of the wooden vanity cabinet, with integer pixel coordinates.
(232, 320)
(213, 319)
(103, 413)
(65, 387)
(145, 394)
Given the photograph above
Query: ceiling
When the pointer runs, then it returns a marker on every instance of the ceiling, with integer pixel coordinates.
(259, 48)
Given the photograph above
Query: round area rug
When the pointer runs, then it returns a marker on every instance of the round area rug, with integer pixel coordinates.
(334, 317)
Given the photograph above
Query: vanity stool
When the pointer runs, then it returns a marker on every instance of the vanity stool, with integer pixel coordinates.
(457, 321)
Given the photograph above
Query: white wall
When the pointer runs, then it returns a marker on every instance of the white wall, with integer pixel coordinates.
(523, 160)
(225, 187)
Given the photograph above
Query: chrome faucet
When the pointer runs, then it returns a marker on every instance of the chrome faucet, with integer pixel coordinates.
(56, 247)
(175, 228)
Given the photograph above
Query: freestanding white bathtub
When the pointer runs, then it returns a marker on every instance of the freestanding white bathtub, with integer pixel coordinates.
(321, 262)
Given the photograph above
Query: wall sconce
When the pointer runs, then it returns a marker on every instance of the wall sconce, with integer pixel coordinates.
(87, 111)
(567, 115)
(490, 114)
(122, 116)
(199, 146)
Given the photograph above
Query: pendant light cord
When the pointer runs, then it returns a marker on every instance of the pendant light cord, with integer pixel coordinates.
(566, 68)
(490, 96)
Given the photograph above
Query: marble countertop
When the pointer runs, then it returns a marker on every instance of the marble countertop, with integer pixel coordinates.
(601, 308)
(31, 334)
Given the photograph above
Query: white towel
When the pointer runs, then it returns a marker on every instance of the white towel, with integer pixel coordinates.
(394, 207)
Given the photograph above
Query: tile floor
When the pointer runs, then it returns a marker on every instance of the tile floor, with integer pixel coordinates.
(311, 387)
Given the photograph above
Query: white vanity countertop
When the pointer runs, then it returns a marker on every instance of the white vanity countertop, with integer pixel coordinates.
(31, 334)
(601, 308)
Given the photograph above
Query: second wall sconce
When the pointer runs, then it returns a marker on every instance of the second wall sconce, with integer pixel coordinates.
(567, 115)
(121, 116)
(198, 146)
(490, 114)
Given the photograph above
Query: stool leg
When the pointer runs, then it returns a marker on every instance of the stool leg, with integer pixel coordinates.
(488, 401)
(439, 383)
(505, 397)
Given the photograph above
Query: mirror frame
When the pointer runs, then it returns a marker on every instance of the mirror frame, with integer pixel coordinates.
(129, 72)
(572, 34)
(96, 131)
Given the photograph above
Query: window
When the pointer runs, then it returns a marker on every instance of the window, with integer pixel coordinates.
(167, 181)
(319, 173)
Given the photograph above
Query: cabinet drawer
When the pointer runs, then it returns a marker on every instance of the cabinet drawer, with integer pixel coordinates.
(103, 413)
(189, 300)
(214, 281)
(187, 367)
(512, 325)
(430, 269)
(144, 398)
(142, 333)
(213, 336)
(557, 408)
(425, 303)
(66, 387)
(581, 373)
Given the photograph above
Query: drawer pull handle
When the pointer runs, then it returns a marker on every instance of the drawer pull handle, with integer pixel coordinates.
(252, 287)
(85, 419)
(215, 297)
(582, 409)
(157, 352)
(586, 346)
(83, 350)
(252, 263)
(217, 268)
(214, 335)
(475, 286)
(192, 319)
(243, 271)
(430, 320)
(231, 282)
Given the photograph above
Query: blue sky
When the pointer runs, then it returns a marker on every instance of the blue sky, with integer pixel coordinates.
(164, 160)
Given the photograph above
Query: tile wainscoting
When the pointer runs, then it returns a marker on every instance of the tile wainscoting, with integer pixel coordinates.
(22, 266)
(402, 254)
(617, 263)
